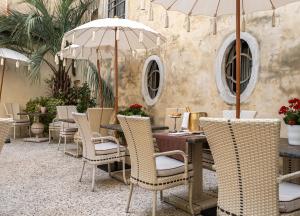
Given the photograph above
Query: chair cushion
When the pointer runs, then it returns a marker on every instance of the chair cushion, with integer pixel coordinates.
(21, 121)
(167, 166)
(55, 125)
(107, 148)
(289, 197)
(70, 129)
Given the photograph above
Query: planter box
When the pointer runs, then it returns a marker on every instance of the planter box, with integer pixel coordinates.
(294, 134)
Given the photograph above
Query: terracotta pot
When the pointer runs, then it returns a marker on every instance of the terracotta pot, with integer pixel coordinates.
(294, 134)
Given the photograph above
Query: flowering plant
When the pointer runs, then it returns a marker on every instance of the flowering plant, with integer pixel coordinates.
(292, 112)
(134, 109)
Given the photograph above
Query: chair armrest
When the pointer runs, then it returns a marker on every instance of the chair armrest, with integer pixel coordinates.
(288, 176)
(23, 114)
(176, 152)
(10, 115)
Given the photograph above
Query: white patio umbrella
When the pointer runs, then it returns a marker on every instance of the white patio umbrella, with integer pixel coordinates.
(93, 54)
(10, 54)
(122, 34)
(215, 8)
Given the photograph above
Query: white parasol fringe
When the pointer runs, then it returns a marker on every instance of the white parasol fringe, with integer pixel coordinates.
(166, 20)
(188, 23)
(150, 12)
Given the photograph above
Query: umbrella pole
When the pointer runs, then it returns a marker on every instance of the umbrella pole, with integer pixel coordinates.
(238, 58)
(116, 74)
(2, 78)
(100, 83)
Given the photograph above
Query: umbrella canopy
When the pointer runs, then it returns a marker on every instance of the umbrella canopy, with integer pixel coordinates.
(219, 7)
(75, 51)
(122, 34)
(130, 35)
(216, 8)
(9, 54)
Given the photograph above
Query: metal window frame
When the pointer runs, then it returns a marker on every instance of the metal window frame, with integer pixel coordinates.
(113, 6)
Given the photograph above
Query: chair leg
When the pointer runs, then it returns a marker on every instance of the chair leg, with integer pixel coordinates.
(154, 202)
(109, 169)
(14, 132)
(129, 199)
(82, 171)
(161, 196)
(65, 143)
(93, 178)
(29, 131)
(191, 197)
(124, 171)
(59, 140)
(49, 136)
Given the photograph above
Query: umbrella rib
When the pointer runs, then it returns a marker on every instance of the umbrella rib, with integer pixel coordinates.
(272, 4)
(168, 8)
(102, 38)
(218, 5)
(138, 38)
(127, 40)
(194, 5)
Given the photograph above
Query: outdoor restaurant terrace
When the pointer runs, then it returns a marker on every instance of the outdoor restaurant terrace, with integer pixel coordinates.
(150, 107)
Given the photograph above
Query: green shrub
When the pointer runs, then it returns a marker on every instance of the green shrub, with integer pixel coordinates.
(50, 103)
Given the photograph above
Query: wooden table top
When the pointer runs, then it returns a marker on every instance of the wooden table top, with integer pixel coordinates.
(285, 150)
(117, 127)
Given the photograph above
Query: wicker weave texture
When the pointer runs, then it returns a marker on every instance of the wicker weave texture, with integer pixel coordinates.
(4, 131)
(246, 159)
(98, 116)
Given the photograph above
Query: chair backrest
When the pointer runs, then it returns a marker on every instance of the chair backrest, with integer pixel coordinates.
(246, 157)
(245, 114)
(65, 112)
(98, 116)
(170, 122)
(88, 148)
(4, 130)
(138, 134)
(12, 110)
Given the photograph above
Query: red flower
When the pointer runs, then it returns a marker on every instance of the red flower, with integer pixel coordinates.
(283, 110)
(136, 106)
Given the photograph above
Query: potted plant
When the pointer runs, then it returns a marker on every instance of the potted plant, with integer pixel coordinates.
(291, 117)
(134, 110)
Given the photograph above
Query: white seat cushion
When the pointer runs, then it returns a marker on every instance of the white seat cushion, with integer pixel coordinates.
(289, 197)
(21, 122)
(70, 129)
(167, 166)
(107, 148)
(55, 125)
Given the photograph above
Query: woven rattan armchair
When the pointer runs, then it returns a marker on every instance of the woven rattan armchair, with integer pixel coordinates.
(246, 159)
(98, 151)
(67, 130)
(13, 111)
(4, 130)
(150, 170)
(96, 117)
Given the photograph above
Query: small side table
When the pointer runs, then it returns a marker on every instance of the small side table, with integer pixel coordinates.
(37, 128)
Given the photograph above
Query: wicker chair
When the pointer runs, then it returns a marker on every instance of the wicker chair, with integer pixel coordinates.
(96, 116)
(245, 114)
(246, 160)
(67, 129)
(106, 151)
(4, 130)
(12, 110)
(150, 170)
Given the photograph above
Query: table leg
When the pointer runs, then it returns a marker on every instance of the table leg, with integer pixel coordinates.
(201, 200)
(196, 153)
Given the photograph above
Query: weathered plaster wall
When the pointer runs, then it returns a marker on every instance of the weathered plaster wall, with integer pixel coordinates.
(189, 62)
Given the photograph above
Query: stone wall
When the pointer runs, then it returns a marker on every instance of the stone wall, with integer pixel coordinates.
(189, 61)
